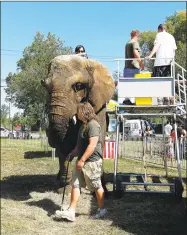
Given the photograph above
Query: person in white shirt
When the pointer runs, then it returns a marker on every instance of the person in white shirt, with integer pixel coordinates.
(164, 47)
(167, 129)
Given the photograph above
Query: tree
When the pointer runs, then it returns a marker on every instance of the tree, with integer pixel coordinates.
(146, 43)
(25, 88)
(4, 112)
(115, 78)
(177, 26)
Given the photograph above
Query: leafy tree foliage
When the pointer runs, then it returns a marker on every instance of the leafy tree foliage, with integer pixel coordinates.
(177, 27)
(24, 87)
(4, 112)
(115, 78)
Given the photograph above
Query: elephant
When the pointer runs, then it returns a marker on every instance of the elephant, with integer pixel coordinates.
(73, 79)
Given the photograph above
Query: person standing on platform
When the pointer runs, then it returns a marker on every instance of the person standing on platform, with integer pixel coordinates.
(164, 47)
(132, 50)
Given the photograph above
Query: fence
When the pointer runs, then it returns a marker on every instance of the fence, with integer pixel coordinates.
(33, 140)
(155, 150)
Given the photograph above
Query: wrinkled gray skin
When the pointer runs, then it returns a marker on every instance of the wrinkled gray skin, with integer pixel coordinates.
(71, 80)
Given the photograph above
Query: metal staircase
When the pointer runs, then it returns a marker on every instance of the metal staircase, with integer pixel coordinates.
(180, 91)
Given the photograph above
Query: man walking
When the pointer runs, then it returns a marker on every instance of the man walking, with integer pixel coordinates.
(88, 167)
(164, 47)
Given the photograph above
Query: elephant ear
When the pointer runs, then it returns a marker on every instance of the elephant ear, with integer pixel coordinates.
(102, 85)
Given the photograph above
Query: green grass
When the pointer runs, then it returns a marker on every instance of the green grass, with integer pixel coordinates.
(28, 199)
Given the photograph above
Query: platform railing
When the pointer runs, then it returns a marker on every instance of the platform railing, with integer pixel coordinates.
(181, 83)
(118, 60)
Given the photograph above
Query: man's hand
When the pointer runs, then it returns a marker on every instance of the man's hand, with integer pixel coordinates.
(142, 66)
(70, 157)
(80, 165)
(148, 57)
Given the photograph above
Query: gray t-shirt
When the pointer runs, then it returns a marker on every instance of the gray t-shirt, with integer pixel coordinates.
(92, 129)
(130, 46)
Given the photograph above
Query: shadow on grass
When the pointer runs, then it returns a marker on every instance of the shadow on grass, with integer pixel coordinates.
(134, 213)
(143, 214)
(19, 187)
(146, 214)
(46, 204)
(37, 154)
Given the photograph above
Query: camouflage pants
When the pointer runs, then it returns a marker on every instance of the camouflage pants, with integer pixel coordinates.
(90, 176)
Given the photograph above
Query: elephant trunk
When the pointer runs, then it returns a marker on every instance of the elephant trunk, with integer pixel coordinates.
(57, 129)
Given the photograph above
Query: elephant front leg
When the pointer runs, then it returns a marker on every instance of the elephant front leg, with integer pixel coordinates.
(64, 175)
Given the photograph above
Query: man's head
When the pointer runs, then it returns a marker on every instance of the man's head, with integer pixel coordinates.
(135, 34)
(85, 112)
(162, 28)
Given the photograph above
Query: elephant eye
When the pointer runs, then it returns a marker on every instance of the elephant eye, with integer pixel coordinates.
(78, 86)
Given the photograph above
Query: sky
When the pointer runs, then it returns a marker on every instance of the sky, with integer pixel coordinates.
(102, 27)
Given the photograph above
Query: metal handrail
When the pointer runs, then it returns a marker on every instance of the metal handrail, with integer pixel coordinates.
(125, 59)
(181, 82)
(141, 58)
(180, 67)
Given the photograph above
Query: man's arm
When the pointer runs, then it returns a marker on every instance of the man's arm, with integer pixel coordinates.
(88, 152)
(90, 149)
(136, 49)
(137, 55)
(155, 48)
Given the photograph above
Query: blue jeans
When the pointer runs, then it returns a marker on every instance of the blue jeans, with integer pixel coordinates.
(130, 72)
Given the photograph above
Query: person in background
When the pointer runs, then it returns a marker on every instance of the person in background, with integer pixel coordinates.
(167, 129)
(80, 50)
(183, 132)
(179, 130)
(88, 167)
(148, 140)
(164, 47)
(173, 137)
(132, 50)
(170, 148)
(182, 142)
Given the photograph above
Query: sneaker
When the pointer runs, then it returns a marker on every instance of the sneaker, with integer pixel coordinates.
(101, 213)
(66, 214)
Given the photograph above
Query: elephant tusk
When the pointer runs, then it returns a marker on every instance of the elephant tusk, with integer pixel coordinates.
(74, 120)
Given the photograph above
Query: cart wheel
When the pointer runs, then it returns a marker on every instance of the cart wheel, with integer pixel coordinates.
(178, 188)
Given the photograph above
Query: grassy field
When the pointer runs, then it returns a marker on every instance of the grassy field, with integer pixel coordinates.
(28, 199)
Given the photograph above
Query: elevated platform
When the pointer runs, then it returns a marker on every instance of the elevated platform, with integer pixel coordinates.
(141, 96)
(145, 87)
(147, 110)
